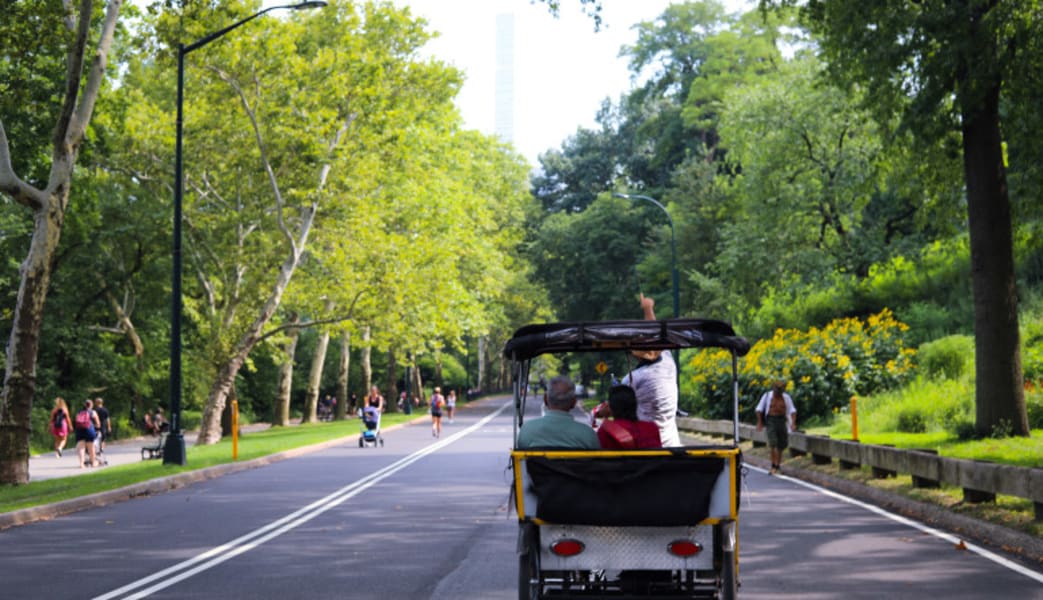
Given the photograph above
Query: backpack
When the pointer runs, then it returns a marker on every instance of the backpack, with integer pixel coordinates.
(83, 420)
(59, 419)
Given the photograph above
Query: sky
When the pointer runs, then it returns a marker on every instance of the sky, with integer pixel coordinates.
(563, 69)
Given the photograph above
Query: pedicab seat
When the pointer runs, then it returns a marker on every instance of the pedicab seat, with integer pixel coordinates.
(665, 488)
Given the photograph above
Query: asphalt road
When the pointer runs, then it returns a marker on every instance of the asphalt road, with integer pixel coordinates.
(427, 518)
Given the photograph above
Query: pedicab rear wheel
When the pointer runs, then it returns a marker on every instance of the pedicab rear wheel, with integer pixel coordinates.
(729, 577)
(529, 564)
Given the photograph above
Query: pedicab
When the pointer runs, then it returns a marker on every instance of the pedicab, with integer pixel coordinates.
(625, 523)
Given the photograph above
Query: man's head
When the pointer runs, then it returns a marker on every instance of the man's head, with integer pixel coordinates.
(561, 394)
(779, 385)
(98, 402)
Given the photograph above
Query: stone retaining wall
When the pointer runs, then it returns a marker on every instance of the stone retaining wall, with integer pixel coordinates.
(980, 480)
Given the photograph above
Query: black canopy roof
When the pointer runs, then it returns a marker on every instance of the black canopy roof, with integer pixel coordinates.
(594, 336)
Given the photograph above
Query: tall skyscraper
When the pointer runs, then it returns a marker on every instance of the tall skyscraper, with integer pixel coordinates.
(505, 76)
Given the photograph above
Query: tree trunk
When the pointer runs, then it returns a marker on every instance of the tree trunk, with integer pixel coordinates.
(318, 361)
(392, 386)
(281, 411)
(999, 393)
(48, 207)
(439, 380)
(480, 358)
(210, 428)
(226, 416)
(367, 366)
(418, 384)
(343, 371)
(20, 376)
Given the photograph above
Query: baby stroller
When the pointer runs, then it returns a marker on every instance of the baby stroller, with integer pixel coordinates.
(370, 427)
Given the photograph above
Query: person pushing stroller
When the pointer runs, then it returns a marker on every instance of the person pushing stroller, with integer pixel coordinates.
(370, 426)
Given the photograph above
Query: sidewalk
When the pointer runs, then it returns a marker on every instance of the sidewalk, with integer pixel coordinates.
(118, 452)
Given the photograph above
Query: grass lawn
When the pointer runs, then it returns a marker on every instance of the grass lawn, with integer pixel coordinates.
(1023, 452)
(252, 445)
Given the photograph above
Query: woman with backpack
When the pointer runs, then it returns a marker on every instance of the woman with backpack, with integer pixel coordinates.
(87, 425)
(60, 425)
(437, 404)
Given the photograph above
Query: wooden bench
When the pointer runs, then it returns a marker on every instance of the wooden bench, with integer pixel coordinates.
(154, 450)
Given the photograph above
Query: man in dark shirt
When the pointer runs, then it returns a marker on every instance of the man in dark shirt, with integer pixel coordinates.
(106, 423)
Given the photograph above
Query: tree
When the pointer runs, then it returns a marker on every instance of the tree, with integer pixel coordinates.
(655, 136)
(281, 410)
(571, 178)
(326, 109)
(47, 198)
(943, 66)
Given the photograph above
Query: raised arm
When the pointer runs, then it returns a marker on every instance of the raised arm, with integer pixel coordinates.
(648, 307)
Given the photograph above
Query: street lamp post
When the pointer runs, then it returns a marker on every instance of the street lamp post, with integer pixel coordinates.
(673, 274)
(174, 449)
(673, 245)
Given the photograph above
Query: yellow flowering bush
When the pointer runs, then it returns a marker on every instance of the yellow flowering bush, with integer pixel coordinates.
(823, 368)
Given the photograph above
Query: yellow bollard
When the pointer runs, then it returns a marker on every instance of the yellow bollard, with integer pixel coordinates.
(854, 418)
(235, 429)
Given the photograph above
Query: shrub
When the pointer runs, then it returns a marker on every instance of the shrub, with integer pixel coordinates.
(965, 430)
(947, 357)
(911, 421)
(927, 321)
(191, 419)
(1034, 407)
(824, 367)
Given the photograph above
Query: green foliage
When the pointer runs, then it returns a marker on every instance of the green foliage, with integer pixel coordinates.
(571, 178)
(1032, 341)
(944, 406)
(824, 367)
(949, 357)
(929, 289)
(588, 260)
(911, 421)
(1034, 406)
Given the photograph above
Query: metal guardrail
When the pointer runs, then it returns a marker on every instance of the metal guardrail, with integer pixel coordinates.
(980, 480)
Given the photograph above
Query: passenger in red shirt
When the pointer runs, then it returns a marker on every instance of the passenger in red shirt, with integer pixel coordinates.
(623, 431)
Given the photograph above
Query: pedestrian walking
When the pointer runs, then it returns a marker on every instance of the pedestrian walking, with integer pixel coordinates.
(776, 412)
(86, 426)
(437, 404)
(375, 399)
(104, 427)
(450, 405)
(60, 424)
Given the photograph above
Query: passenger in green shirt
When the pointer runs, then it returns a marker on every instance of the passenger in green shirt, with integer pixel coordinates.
(557, 429)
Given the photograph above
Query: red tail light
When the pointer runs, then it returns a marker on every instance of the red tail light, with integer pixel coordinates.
(684, 548)
(567, 547)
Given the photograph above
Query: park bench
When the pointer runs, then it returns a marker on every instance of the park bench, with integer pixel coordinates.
(154, 450)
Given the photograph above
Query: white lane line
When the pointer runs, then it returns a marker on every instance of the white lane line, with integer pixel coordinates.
(996, 558)
(215, 556)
